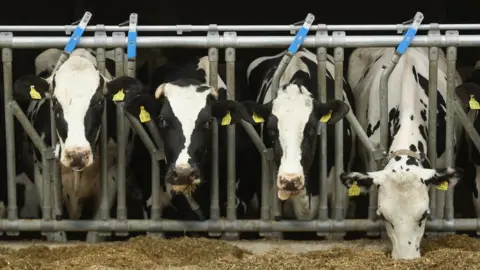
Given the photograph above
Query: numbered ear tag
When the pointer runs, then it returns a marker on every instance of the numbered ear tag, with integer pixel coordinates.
(226, 119)
(257, 118)
(34, 94)
(144, 115)
(474, 105)
(326, 117)
(443, 186)
(119, 96)
(354, 190)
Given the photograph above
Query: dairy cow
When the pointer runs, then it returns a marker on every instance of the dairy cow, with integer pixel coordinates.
(403, 200)
(79, 93)
(289, 123)
(468, 158)
(182, 106)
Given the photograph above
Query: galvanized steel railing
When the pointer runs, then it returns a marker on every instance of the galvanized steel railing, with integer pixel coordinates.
(441, 203)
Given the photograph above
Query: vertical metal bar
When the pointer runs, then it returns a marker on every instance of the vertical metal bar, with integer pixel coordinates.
(436, 200)
(231, 151)
(451, 59)
(339, 187)
(9, 133)
(214, 203)
(46, 172)
(266, 188)
(121, 144)
(323, 176)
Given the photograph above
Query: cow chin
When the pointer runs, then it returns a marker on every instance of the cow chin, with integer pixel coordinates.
(287, 194)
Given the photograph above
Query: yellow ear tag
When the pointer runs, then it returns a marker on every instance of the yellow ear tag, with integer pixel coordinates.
(443, 186)
(226, 119)
(474, 105)
(257, 118)
(354, 190)
(34, 94)
(326, 117)
(144, 115)
(119, 96)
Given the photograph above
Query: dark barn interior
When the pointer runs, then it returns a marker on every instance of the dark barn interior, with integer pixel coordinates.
(247, 12)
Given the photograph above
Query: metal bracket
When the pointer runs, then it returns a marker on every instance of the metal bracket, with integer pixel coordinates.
(434, 35)
(100, 36)
(451, 36)
(183, 28)
(118, 36)
(49, 153)
(415, 21)
(213, 36)
(268, 153)
(6, 40)
(229, 40)
(379, 154)
(339, 37)
(321, 36)
(78, 32)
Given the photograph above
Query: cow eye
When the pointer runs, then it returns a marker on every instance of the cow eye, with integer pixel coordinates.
(161, 122)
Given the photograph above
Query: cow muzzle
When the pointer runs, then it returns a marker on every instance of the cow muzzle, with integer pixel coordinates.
(78, 160)
(184, 178)
(289, 185)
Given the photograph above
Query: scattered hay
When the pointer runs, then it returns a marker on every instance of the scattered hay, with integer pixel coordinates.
(448, 252)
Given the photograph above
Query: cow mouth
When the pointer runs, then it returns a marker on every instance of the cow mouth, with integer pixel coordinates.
(77, 169)
(287, 194)
(186, 189)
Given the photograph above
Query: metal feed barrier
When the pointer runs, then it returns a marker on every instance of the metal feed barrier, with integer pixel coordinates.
(441, 203)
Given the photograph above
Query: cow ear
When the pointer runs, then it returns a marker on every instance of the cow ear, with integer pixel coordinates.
(228, 112)
(469, 95)
(256, 112)
(444, 178)
(331, 111)
(123, 88)
(357, 182)
(30, 87)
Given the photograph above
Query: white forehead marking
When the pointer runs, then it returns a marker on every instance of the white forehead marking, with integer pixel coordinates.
(186, 104)
(76, 81)
(292, 109)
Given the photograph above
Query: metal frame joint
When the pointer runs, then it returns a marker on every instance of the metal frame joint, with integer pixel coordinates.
(213, 36)
(229, 40)
(6, 40)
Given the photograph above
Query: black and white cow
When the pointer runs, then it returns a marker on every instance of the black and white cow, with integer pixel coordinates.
(403, 200)
(290, 123)
(78, 93)
(469, 156)
(182, 106)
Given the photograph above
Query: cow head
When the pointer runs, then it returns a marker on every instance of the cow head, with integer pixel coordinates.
(403, 201)
(291, 121)
(78, 91)
(183, 110)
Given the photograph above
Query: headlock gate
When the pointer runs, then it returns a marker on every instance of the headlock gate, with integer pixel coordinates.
(441, 202)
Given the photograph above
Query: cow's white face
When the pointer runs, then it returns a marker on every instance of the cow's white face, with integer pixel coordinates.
(291, 121)
(403, 202)
(78, 100)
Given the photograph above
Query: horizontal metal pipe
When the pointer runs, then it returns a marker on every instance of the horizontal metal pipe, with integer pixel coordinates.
(221, 225)
(243, 42)
(204, 28)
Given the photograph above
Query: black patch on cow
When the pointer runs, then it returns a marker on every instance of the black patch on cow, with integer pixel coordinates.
(397, 158)
(202, 88)
(370, 131)
(424, 104)
(394, 122)
(411, 117)
(423, 132)
(413, 148)
(185, 82)
(423, 114)
(423, 83)
(420, 147)
(411, 161)
(415, 73)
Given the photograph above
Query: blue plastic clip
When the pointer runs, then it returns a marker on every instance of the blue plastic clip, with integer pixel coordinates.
(410, 35)
(77, 33)
(132, 37)
(301, 34)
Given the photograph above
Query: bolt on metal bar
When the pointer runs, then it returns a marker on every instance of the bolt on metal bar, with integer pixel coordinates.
(222, 225)
(231, 139)
(242, 42)
(238, 28)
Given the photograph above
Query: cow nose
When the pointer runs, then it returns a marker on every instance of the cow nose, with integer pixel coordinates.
(291, 182)
(78, 160)
(184, 174)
